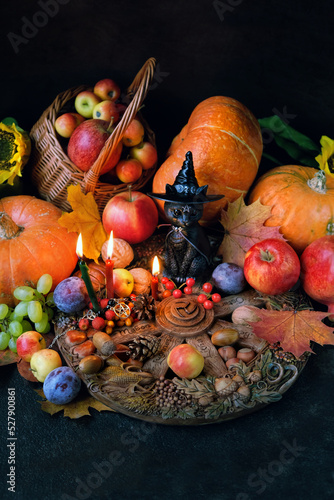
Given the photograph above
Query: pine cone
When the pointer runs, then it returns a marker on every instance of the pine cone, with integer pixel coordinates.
(144, 347)
(144, 306)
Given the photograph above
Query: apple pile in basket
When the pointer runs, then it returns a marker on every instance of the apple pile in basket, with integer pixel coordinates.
(87, 129)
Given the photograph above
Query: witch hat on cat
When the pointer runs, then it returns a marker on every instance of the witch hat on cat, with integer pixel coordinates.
(185, 188)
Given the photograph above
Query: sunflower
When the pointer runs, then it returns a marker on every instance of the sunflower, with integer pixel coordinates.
(15, 149)
(326, 158)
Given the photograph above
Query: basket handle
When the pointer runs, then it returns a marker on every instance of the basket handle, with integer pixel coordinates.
(138, 89)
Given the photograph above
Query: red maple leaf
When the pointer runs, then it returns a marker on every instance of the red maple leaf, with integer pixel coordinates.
(294, 330)
(244, 226)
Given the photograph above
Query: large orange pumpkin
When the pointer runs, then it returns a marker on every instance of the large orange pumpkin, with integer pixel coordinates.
(32, 243)
(302, 201)
(225, 140)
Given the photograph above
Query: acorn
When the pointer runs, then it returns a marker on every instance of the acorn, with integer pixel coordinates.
(225, 337)
(90, 364)
(255, 376)
(243, 394)
(225, 386)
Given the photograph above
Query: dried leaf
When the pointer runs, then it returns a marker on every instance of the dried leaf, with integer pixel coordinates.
(293, 329)
(7, 357)
(76, 409)
(244, 226)
(84, 219)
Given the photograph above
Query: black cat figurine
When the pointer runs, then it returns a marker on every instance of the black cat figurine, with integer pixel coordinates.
(188, 253)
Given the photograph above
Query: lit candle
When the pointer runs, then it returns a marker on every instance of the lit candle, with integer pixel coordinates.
(155, 279)
(110, 267)
(85, 275)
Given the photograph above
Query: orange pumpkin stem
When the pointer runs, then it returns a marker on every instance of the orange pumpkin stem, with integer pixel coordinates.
(318, 182)
(8, 228)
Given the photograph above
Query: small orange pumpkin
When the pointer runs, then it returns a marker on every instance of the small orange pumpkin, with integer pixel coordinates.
(32, 243)
(225, 140)
(302, 201)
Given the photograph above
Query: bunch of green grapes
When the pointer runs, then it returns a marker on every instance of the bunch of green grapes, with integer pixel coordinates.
(34, 312)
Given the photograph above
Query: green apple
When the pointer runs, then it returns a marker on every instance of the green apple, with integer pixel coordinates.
(43, 362)
(123, 282)
(85, 102)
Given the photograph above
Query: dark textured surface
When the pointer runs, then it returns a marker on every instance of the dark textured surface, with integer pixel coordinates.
(269, 55)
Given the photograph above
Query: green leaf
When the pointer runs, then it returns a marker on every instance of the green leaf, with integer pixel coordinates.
(9, 121)
(297, 145)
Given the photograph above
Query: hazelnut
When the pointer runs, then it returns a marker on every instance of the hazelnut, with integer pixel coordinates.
(227, 352)
(245, 354)
(231, 362)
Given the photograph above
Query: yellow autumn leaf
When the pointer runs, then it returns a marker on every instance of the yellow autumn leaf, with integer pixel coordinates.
(77, 408)
(84, 219)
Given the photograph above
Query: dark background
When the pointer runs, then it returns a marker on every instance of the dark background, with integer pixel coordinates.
(273, 57)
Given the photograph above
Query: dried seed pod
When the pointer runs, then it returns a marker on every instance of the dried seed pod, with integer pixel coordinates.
(90, 364)
(104, 344)
(243, 314)
(74, 337)
(84, 349)
(225, 336)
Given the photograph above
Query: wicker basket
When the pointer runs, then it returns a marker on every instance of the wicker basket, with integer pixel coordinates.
(52, 170)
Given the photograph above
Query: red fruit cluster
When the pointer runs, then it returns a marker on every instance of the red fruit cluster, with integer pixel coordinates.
(176, 292)
(206, 299)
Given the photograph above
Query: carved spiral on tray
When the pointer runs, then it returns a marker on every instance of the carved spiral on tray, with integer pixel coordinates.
(183, 317)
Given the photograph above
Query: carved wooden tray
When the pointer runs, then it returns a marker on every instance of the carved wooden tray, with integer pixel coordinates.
(153, 393)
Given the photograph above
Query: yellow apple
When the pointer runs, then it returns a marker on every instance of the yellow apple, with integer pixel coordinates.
(123, 282)
(43, 362)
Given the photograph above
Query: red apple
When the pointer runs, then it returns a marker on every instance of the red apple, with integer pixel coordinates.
(129, 170)
(185, 361)
(85, 102)
(146, 153)
(66, 123)
(317, 271)
(134, 134)
(106, 110)
(107, 89)
(132, 216)
(86, 143)
(28, 343)
(271, 266)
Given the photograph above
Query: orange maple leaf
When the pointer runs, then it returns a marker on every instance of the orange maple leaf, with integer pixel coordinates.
(294, 330)
(84, 219)
(244, 226)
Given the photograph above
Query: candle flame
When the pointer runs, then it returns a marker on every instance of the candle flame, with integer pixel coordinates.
(79, 250)
(155, 266)
(110, 247)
